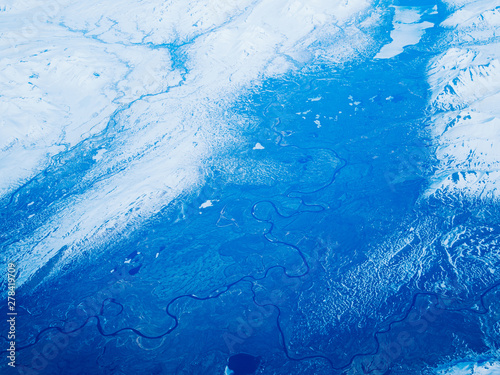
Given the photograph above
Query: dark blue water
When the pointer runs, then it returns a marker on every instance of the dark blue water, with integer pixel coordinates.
(318, 255)
(243, 364)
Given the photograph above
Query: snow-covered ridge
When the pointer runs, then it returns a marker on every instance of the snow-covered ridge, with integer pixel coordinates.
(148, 82)
(469, 79)
(465, 92)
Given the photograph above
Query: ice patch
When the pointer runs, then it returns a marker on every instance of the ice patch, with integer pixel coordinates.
(407, 31)
(206, 204)
(471, 368)
(258, 146)
(99, 154)
(316, 99)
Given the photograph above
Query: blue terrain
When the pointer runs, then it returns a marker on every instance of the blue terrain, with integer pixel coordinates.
(270, 187)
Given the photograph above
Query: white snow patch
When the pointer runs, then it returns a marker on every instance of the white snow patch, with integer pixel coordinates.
(471, 368)
(206, 204)
(316, 99)
(258, 146)
(407, 31)
(98, 155)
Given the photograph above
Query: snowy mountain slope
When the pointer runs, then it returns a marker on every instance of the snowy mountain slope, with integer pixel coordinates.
(465, 90)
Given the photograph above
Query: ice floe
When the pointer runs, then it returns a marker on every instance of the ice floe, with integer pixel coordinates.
(407, 31)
